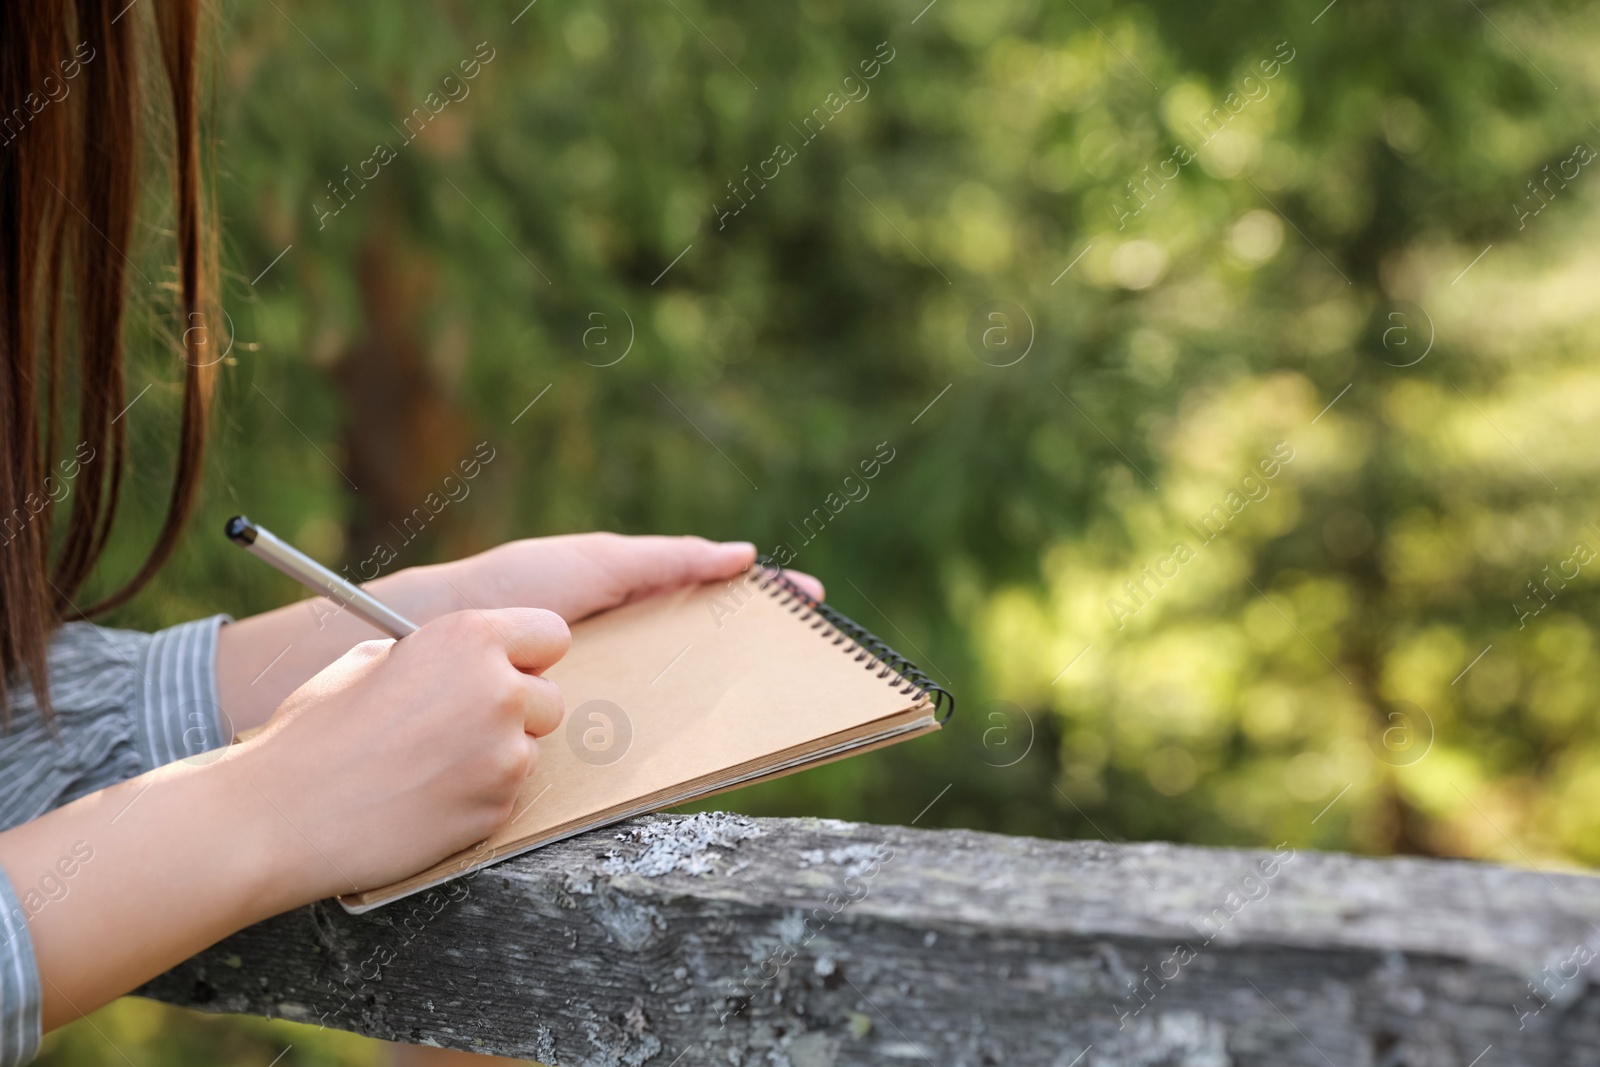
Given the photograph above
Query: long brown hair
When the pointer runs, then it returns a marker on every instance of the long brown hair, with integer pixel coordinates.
(70, 159)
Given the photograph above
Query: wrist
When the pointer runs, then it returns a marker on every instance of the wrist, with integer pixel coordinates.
(261, 869)
(424, 593)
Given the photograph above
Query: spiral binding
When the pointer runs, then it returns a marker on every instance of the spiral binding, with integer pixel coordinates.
(869, 649)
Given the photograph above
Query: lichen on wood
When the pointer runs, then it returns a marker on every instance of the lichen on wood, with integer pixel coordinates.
(720, 939)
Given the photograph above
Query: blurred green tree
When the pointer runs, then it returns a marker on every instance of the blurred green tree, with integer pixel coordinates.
(1083, 267)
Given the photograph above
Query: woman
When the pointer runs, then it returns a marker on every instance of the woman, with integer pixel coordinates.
(126, 850)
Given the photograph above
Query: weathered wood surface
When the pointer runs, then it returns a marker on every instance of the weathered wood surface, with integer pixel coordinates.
(715, 939)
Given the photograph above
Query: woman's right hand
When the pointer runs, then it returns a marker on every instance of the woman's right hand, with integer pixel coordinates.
(392, 758)
(399, 754)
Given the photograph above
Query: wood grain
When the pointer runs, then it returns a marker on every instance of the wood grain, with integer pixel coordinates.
(719, 939)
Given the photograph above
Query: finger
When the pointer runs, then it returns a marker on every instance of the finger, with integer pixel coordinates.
(812, 586)
(532, 639)
(542, 705)
(535, 639)
(643, 565)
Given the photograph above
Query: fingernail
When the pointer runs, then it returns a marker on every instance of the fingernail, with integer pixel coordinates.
(738, 548)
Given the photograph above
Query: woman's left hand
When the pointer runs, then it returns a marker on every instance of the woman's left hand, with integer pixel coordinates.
(262, 659)
(578, 575)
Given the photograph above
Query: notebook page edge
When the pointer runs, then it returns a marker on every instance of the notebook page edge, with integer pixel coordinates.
(365, 902)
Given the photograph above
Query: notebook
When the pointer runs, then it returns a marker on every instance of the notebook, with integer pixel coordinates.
(687, 694)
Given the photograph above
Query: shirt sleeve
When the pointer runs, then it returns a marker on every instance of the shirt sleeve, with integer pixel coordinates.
(20, 1006)
(179, 714)
(124, 703)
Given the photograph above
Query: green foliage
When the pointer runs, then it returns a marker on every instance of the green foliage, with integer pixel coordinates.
(142, 1031)
(1303, 677)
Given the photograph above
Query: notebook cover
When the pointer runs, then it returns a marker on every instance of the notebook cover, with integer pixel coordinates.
(690, 693)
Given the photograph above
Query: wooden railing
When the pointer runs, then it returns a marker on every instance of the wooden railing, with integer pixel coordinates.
(715, 939)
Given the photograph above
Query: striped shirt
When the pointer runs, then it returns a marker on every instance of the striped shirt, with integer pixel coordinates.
(125, 703)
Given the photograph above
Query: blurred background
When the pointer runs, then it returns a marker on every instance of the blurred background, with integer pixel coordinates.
(1235, 362)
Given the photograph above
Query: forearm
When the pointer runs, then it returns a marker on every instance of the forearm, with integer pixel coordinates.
(160, 867)
(383, 763)
(264, 658)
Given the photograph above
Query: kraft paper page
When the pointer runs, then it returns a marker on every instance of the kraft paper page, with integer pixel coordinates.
(683, 694)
